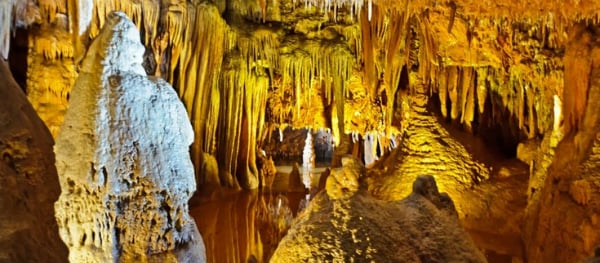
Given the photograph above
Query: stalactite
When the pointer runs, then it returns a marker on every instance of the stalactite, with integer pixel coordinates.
(520, 101)
(199, 62)
(453, 91)
(370, 50)
(304, 62)
(52, 47)
(151, 12)
(466, 80)
(255, 98)
(51, 69)
(427, 51)
(468, 113)
(577, 76)
(49, 9)
(394, 61)
(442, 83)
(230, 117)
(260, 47)
(482, 88)
(529, 97)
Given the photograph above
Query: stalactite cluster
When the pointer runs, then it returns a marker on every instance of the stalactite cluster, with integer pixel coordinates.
(326, 63)
(51, 70)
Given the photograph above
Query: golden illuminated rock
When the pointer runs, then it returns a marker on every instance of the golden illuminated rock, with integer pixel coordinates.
(426, 147)
(420, 228)
(122, 156)
(342, 183)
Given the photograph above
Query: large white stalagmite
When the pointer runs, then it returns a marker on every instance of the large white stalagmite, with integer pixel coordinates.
(308, 159)
(6, 8)
(123, 160)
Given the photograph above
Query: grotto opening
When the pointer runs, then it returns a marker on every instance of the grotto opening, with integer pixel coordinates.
(311, 131)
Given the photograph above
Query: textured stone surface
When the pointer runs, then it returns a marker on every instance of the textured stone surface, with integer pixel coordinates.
(28, 181)
(123, 160)
(426, 147)
(421, 228)
(342, 183)
(567, 206)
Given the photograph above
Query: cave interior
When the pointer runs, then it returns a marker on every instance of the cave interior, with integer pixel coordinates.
(302, 118)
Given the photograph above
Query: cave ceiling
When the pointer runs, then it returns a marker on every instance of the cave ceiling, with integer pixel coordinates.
(245, 67)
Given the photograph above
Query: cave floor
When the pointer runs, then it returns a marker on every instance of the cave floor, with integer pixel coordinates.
(246, 226)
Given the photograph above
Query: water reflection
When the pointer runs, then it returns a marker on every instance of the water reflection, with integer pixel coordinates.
(244, 226)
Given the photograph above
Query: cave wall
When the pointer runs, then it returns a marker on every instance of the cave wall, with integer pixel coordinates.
(28, 181)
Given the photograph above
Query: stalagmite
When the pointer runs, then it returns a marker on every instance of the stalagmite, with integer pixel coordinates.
(123, 161)
(6, 11)
(370, 153)
(308, 159)
(427, 147)
(556, 124)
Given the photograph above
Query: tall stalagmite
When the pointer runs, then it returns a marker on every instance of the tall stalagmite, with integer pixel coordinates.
(123, 159)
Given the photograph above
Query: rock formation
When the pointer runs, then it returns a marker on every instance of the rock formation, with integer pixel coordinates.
(426, 147)
(359, 228)
(122, 156)
(28, 181)
(342, 183)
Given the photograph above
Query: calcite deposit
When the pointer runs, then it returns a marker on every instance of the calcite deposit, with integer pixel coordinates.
(123, 161)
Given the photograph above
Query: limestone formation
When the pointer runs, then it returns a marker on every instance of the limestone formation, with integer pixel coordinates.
(342, 183)
(267, 169)
(28, 181)
(123, 160)
(420, 228)
(426, 147)
(308, 154)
